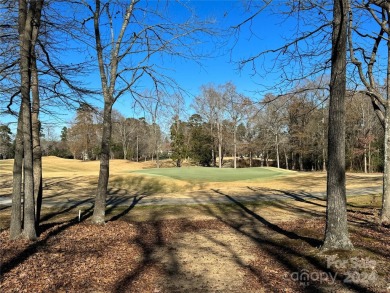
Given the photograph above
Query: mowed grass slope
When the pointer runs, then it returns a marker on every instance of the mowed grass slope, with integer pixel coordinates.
(203, 174)
(75, 177)
(56, 166)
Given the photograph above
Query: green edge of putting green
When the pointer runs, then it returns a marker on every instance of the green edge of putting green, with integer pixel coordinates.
(209, 174)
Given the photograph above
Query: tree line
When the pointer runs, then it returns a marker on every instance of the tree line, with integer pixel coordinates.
(288, 132)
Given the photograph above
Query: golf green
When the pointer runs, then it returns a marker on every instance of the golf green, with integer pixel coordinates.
(209, 174)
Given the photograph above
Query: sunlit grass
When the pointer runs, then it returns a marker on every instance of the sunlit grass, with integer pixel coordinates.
(215, 174)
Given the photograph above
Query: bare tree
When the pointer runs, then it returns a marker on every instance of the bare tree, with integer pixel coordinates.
(274, 120)
(52, 75)
(336, 234)
(312, 40)
(122, 131)
(127, 36)
(304, 53)
(28, 26)
(153, 104)
(237, 108)
(380, 12)
(211, 105)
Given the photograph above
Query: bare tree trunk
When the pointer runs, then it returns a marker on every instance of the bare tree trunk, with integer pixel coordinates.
(277, 150)
(108, 88)
(336, 234)
(323, 160)
(300, 160)
(37, 152)
(26, 15)
(99, 211)
(219, 129)
(29, 231)
(369, 158)
(16, 209)
(365, 159)
(380, 104)
(235, 147)
(157, 147)
(137, 149)
(385, 212)
(292, 161)
(286, 158)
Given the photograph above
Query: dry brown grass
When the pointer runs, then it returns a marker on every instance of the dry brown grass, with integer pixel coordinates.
(74, 177)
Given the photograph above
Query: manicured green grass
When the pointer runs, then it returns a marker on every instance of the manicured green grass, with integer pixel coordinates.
(205, 174)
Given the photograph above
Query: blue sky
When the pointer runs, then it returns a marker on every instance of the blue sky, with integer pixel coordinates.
(267, 31)
(221, 65)
(264, 33)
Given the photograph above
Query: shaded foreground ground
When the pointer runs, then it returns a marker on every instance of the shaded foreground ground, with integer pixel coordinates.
(268, 246)
(232, 248)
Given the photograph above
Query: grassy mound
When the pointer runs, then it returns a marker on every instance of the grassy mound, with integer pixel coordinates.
(216, 175)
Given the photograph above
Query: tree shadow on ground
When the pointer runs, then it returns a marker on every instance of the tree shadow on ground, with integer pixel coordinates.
(275, 246)
(291, 252)
(313, 242)
(304, 196)
(116, 204)
(33, 248)
(284, 252)
(63, 209)
(160, 260)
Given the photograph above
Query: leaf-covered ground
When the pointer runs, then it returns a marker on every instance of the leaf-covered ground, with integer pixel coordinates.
(242, 253)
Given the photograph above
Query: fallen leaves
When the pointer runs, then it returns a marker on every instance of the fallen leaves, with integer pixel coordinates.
(143, 257)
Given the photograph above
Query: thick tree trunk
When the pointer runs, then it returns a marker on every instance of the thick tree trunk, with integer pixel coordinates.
(25, 31)
(336, 234)
(29, 231)
(16, 209)
(385, 212)
(37, 151)
(99, 211)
